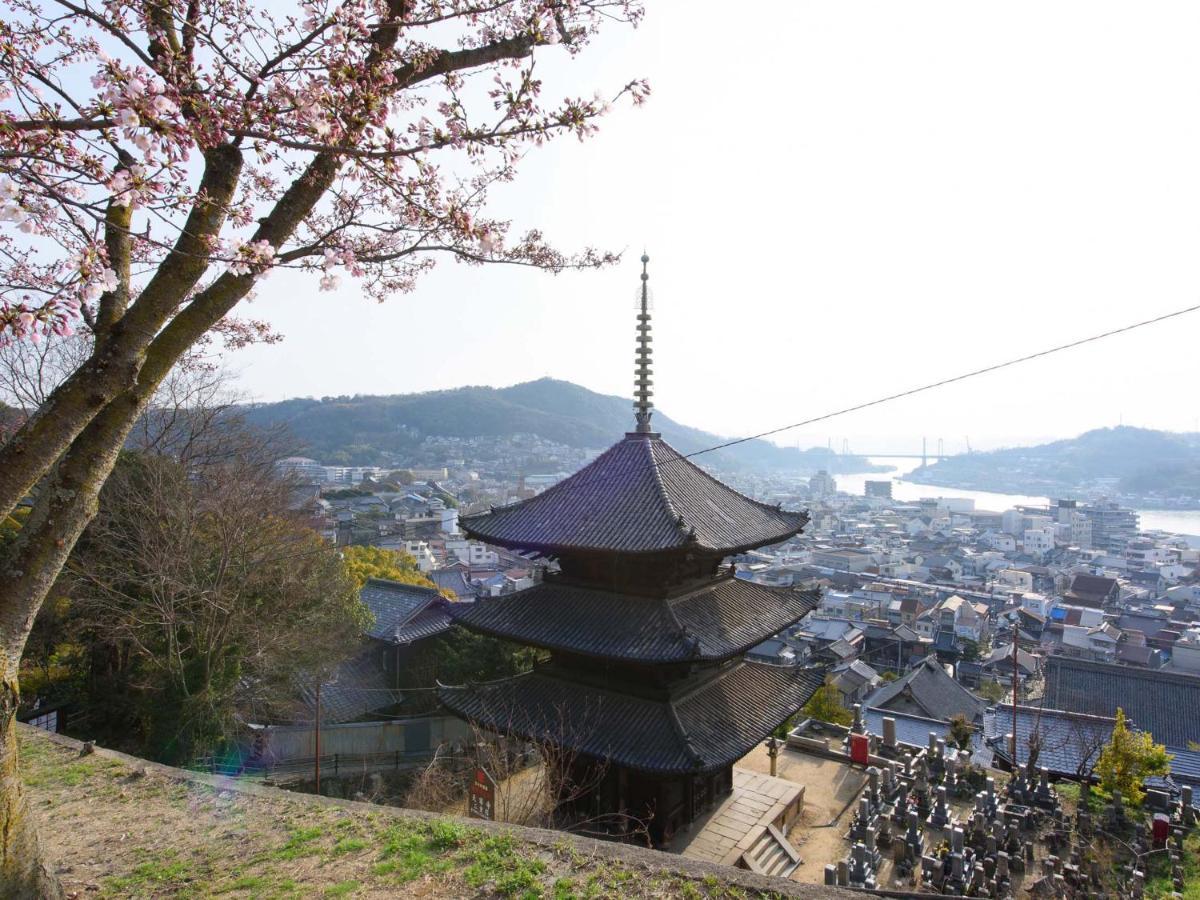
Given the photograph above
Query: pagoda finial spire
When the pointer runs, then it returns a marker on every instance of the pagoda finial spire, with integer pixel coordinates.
(642, 406)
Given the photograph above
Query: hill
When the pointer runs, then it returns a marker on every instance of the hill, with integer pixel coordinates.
(382, 430)
(1118, 461)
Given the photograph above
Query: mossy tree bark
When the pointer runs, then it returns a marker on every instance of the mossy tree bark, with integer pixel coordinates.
(67, 498)
(24, 870)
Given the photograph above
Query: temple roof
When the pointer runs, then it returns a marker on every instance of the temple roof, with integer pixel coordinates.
(715, 622)
(704, 729)
(1165, 703)
(639, 496)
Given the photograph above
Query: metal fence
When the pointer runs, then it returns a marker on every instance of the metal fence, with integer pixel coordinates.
(332, 765)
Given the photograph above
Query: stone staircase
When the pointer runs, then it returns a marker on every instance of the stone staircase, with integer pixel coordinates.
(771, 853)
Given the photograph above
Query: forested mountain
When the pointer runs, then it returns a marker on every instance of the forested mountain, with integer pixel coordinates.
(378, 430)
(1127, 460)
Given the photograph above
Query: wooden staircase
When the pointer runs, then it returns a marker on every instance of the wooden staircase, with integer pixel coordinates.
(771, 853)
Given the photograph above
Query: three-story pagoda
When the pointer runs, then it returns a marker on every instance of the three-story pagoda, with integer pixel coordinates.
(647, 688)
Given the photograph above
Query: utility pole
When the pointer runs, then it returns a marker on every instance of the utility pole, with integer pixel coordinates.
(1014, 697)
(317, 758)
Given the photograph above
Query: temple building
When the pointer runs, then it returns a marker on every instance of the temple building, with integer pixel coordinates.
(646, 688)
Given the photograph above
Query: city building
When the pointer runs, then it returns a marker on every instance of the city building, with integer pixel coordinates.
(881, 489)
(822, 484)
(1113, 526)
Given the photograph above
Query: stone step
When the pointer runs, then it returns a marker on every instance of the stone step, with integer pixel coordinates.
(772, 853)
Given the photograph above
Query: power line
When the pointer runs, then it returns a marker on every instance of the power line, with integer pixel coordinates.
(945, 381)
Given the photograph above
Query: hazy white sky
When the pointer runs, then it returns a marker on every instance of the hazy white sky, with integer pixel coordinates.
(840, 200)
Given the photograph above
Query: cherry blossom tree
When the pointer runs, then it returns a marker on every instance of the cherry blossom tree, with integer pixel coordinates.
(158, 158)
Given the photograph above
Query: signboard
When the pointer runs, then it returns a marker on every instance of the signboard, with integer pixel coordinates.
(481, 796)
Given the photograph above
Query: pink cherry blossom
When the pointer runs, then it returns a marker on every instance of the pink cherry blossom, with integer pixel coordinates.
(380, 95)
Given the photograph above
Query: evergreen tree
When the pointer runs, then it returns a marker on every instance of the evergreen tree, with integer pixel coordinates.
(826, 706)
(1128, 759)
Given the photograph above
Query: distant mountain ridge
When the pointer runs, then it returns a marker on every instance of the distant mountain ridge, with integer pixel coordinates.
(1127, 460)
(376, 430)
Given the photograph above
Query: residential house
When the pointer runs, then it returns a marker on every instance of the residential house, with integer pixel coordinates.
(854, 680)
(928, 690)
(1093, 591)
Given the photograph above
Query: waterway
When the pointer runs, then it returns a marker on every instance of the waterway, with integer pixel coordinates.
(1186, 522)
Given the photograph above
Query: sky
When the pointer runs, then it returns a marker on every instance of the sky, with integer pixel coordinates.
(840, 200)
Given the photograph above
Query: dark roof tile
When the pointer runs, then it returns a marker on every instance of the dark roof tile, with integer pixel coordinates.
(639, 496)
(713, 623)
(403, 612)
(1166, 704)
(933, 690)
(709, 727)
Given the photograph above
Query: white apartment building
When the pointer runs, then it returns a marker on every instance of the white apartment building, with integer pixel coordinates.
(1015, 578)
(473, 553)
(1038, 540)
(419, 550)
(1186, 653)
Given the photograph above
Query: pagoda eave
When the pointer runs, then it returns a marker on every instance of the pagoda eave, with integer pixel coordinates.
(705, 730)
(713, 623)
(556, 550)
(640, 497)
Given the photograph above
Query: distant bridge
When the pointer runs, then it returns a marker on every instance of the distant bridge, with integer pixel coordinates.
(925, 455)
(888, 453)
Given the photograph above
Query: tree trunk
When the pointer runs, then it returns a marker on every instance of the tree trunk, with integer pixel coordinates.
(65, 505)
(24, 872)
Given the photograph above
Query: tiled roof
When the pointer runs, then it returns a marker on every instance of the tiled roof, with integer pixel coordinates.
(429, 622)
(713, 623)
(453, 579)
(1001, 658)
(358, 688)
(707, 728)
(910, 729)
(404, 612)
(639, 496)
(1070, 742)
(931, 689)
(1167, 704)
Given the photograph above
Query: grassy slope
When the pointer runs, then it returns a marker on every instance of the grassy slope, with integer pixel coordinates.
(121, 830)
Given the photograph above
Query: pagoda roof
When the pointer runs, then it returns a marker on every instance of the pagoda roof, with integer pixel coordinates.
(639, 496)
(713, 622)
(703, 729)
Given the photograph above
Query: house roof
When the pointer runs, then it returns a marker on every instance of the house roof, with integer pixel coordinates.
(714, 622)
(404, 612)
(816, 629)
(933, 690)
(1149, 624)
(359, 687)
(910, 729)
(855, 672)
(639, 496)
(453, 579)
(1138, 654)
(1167, 704)
(1092, 587)
(1001, 658)
(699, 728)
